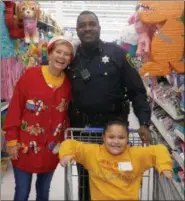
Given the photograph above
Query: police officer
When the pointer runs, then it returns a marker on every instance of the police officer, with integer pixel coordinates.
(103, 82)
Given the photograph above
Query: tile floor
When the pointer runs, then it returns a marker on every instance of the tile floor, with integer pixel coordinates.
(57, 185)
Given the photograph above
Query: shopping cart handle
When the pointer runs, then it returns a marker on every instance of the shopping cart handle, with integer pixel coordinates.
(100, 130)
(91, 129)
(131, 130)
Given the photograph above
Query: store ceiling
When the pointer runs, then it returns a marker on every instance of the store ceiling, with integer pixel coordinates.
(113, 15)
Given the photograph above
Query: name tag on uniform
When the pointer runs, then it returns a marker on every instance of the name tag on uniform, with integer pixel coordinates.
(125, 166)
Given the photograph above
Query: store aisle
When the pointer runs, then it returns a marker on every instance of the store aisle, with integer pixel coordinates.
(57, 185)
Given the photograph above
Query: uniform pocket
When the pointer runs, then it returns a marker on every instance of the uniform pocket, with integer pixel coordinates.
(108, 69)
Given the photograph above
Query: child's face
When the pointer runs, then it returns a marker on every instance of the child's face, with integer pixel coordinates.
(115, 139)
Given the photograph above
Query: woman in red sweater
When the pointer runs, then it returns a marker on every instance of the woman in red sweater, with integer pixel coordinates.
(36, 119)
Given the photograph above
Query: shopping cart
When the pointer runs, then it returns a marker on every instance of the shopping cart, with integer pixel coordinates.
(153, 186)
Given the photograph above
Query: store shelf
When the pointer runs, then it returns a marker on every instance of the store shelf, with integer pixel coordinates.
(179, 189)
(168, 108)
(179, 134)
(182, 109)
(178, 159)
(165, 134)
(45, 25)
(4, 106)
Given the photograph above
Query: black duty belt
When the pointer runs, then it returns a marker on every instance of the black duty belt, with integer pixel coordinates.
(91, 117)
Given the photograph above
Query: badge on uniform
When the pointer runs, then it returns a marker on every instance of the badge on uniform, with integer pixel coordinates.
(125, 166)
(129, 60)
(105, 59)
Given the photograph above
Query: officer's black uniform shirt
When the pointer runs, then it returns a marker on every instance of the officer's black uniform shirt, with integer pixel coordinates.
(112, 80)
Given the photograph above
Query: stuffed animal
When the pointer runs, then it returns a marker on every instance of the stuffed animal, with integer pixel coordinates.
(129, 35)
(143, 47)
(33, 55)
(28, 12)
(167, 46)
(44, 53)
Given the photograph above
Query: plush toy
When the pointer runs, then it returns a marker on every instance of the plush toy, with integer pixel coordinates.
(28, 12)
(32, 56)
(129, 38)
(44, 60)
(143, 44)
(129, 35)
(167, 46)
(50, 35)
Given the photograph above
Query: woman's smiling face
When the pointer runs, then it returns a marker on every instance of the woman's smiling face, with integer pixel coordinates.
(60, 56)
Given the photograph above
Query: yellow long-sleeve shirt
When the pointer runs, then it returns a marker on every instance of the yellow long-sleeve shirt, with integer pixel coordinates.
(107, 180)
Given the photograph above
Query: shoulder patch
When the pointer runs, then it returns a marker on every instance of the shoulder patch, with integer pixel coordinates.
(129, 60)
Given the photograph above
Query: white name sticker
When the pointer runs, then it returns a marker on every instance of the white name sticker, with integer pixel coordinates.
(125, 166)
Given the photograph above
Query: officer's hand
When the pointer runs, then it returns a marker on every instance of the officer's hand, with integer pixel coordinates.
(145, 135)
(12, 152)
(66, 159)
(167, 173)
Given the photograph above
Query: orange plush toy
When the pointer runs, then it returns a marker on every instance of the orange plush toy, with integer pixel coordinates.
(167, 44)
(28, 12)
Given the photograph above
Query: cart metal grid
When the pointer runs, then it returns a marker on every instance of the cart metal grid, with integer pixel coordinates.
(153, 187)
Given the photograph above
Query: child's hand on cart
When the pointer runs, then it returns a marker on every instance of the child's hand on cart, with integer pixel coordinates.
(168, 174)
(66, 160)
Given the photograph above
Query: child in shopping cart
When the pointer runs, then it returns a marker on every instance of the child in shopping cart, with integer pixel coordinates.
(116, 168)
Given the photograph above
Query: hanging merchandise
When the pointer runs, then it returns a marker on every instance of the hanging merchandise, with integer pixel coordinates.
(14, 27)
(167, 46)
(28, 12)
(7, 43)
(44, 53)
(129, 39)
(33, 55)
(11, 69)
(50, 35)
(181, 88)
(142, 30)
(29, 55)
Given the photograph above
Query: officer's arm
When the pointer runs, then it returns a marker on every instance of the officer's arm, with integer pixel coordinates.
(135, 90)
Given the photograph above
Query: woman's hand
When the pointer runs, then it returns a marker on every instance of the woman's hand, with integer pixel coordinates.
(66, 159)
(13, 152)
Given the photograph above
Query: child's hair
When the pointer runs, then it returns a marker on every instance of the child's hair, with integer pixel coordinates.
(119, 122)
